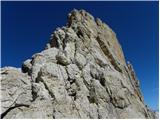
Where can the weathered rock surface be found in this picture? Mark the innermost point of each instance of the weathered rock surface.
(82, 73)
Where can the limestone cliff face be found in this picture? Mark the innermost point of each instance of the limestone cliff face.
(82, 73)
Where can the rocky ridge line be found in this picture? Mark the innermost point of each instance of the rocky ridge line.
(82, 73)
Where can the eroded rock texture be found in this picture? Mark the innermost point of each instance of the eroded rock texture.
(82, 73)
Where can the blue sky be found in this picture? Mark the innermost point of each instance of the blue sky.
(26, 28)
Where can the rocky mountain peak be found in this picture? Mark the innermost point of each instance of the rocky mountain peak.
(76, 16)
(82, 73)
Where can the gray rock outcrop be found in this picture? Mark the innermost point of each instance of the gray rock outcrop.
(82, 73)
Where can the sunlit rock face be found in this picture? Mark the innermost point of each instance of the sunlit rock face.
(82, 73)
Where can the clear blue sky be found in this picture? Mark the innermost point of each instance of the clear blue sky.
(26, 28)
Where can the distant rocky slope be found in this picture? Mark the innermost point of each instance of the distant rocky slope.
(82, 73)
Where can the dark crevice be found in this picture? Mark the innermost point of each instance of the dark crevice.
(92, 95)
(11, 108)
(108, 54)
(4, 73)
(25, 69)
(54, 42)
(34, 94)
(71, 80)
(53, 116)
(79, 34)
(64, 44)
(102, 81)
(91, 99)
(112, 100)
(108, 43)
(86, 84)
(99, 116)
(46, 87)
(59, 62)
(50, 93)
(71, 92)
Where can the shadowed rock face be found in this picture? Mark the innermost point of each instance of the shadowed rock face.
(82, 73)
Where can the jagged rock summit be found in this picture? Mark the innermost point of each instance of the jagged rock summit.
(82, 73)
